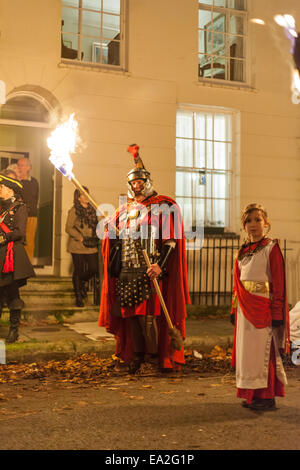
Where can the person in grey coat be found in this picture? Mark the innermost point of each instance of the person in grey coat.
(83, 244)
(15, 267)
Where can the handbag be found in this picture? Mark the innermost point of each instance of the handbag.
(90, 242)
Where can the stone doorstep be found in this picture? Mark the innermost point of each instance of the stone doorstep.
(47, 283)
(55, 298)
(69, 314)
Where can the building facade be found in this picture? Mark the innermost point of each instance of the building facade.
(203, 90)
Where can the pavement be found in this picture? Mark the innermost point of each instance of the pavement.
(49, 340)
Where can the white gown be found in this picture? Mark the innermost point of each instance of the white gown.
(253, 344)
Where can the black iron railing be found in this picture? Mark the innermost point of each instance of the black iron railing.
(210, 268)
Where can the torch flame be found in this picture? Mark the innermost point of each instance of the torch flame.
(296, 87)
(62, 143)
(289, 24)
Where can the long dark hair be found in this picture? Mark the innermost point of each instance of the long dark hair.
(87, 215)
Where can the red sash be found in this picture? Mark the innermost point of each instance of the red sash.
(8, 266)
(256, 309)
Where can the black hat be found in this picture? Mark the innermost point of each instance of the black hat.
(11, 183)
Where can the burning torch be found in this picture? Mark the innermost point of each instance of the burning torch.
(62, 143)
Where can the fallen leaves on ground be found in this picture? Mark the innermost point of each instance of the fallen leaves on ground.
(89, 368)
(217, 360)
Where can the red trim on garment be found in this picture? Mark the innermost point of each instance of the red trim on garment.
(8, 266)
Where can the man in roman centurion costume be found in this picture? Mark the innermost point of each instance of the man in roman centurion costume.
(130, 308)
(15, 267)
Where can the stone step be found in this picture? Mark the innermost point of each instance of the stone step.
(46, 296)
(48, 283)
(67, 313)
(50, 298)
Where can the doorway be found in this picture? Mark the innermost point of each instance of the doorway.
(24, 128)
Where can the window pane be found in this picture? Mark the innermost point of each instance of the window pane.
(236, 25)
(237, 4)
(70, 19)
(113, 57)
(186, 210)
(220, 156)
(208, 185)
(73, 3)
(200, 125)
(204, 19)
(236, 70)
(111, 6)
(90, 50)
(219, 23)
(105, 52)
(199, 184)
(219, 213)
(209, 126)
(209, 154)
(218, 44)
(184, 124)
(96, 46)
(236, 47)
(200, 154)
(218, 67)
(199, 212)
(91, 22)
(222, 127)
(184, 152)
(208, 213)
(220, 3)
(214, 42)
(111, 26)
(219, 185)
(206, 2)
(183, 183)
(204, 67)
(92, 4)
(69, 46)
(201, 41)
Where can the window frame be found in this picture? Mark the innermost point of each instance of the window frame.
(123, 66)
(245, 36)
(231, 198)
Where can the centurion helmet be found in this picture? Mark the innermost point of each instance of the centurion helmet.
(138, 173)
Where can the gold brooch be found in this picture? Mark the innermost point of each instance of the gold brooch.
(133, 214)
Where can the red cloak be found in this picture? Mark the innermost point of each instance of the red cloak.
(174, 288)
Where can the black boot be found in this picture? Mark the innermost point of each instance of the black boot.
(13, 333)
(78, 291)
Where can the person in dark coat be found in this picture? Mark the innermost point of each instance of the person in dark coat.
(83, 244)
(15, 267)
